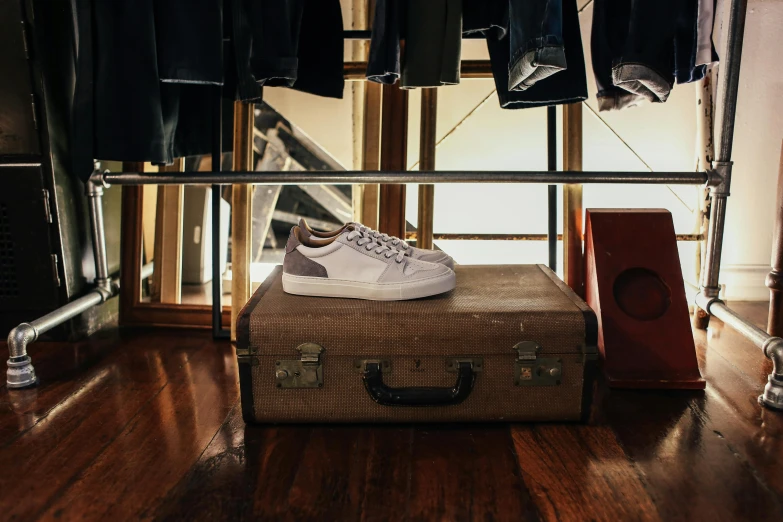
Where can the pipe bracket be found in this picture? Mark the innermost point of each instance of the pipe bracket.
(96, 184)
(719, 178)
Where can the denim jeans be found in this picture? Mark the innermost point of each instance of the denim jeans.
(640, 47)
(549, 52)
(536, 38)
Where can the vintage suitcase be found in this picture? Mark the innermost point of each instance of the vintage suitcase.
(510, 343)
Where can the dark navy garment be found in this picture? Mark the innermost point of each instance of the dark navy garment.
(487, 17)
(383, 64)
(536, 39)
(275, 28)
(641, 47)
(567, 85)
(189, 41)
(321, 50)
(149, 71)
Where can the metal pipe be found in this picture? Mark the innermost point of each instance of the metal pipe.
(95, 186)
(371, 176)
(427, 140)
(218, 332)
(709, 280)
(20, 372)
(772, 347)
(728, 87)
(728, 80)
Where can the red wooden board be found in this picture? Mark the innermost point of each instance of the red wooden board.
(634, 284)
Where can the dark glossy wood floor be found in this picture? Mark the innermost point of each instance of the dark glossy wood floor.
(145, 424)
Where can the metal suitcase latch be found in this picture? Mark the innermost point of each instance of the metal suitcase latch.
(306, 372)
(532, 370)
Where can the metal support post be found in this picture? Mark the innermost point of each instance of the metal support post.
(95, 187)
(427, 139)
(720, 178)
(218, 332)
(551, 152)
(21, 373)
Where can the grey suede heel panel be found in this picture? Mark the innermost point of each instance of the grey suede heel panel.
(295, 263)
(292, 242)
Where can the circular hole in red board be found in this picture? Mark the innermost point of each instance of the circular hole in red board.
(642, 294)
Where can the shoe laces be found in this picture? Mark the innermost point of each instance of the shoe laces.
(370, 243)
(398, 243)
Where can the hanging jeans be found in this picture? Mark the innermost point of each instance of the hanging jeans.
(537, 48)
(640, 47)
(544, 84)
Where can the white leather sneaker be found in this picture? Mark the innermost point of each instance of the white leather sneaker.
(353, 265)
(431, 256)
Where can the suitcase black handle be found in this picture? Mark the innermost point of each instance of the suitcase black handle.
(418, 396)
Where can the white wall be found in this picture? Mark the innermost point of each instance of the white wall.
(756, 155)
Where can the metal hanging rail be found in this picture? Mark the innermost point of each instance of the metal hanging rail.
(352, 177)
(20, 369)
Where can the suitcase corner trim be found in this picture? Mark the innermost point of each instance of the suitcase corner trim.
(243, 319)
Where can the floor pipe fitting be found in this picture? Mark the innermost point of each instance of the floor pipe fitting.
(771, 346)
(21, 372)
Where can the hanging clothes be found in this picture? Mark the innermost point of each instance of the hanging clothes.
(641, 48)
(566, 85)
(289, 43)
(148, 70)
(486, 17)
(274, 27)
(705, 47)
(536, 39)
(143, 78)
(188, 41)
(693, 47)
(433, 43)
(383, 63)
(321, 50)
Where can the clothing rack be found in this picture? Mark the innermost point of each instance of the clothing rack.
(717, 179)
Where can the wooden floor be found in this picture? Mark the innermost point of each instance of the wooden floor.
(145, 424)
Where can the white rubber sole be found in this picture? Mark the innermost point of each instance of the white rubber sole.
(323, 287)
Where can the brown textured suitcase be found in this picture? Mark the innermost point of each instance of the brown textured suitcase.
(510, 343)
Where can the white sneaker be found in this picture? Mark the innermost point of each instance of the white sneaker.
(431, 256)
(353, 265)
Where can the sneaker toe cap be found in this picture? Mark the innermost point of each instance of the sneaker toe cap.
(437, 256)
